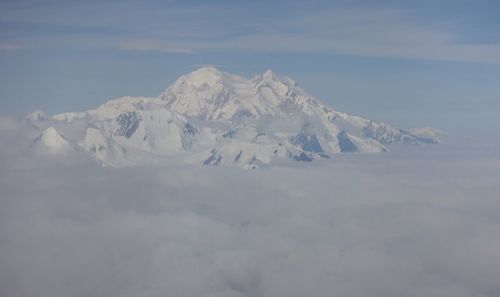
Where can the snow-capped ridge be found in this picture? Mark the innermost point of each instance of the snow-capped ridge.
(205, 76)
(211, 94)
(37, 115)
(213, 117)
(271, 76)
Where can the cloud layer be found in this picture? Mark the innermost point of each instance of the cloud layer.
(222, 27)
(422, 223)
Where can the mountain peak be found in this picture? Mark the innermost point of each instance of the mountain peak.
(268, 74)
(212, 94)
(208, 69)
(205, 74)
(53, 141)
(213, 117)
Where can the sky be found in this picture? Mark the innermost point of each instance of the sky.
(403, 62)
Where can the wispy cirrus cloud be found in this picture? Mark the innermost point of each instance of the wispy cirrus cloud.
(371, 33)
(7, 46)
(149, 45)
(220, 27)
(379, 33)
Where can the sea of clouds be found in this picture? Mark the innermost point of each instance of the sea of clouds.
(419, 221)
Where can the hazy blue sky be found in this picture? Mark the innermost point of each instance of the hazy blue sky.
(410, 62)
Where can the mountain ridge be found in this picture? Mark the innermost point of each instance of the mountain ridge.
(212, 117)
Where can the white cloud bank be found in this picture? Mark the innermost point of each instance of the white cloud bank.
(424, 223)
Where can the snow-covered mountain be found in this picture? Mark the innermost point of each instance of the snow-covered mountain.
(212, 117)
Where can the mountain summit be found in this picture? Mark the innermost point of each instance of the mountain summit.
(211, 94)
(213, 117)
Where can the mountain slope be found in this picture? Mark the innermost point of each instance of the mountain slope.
(212, 117)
